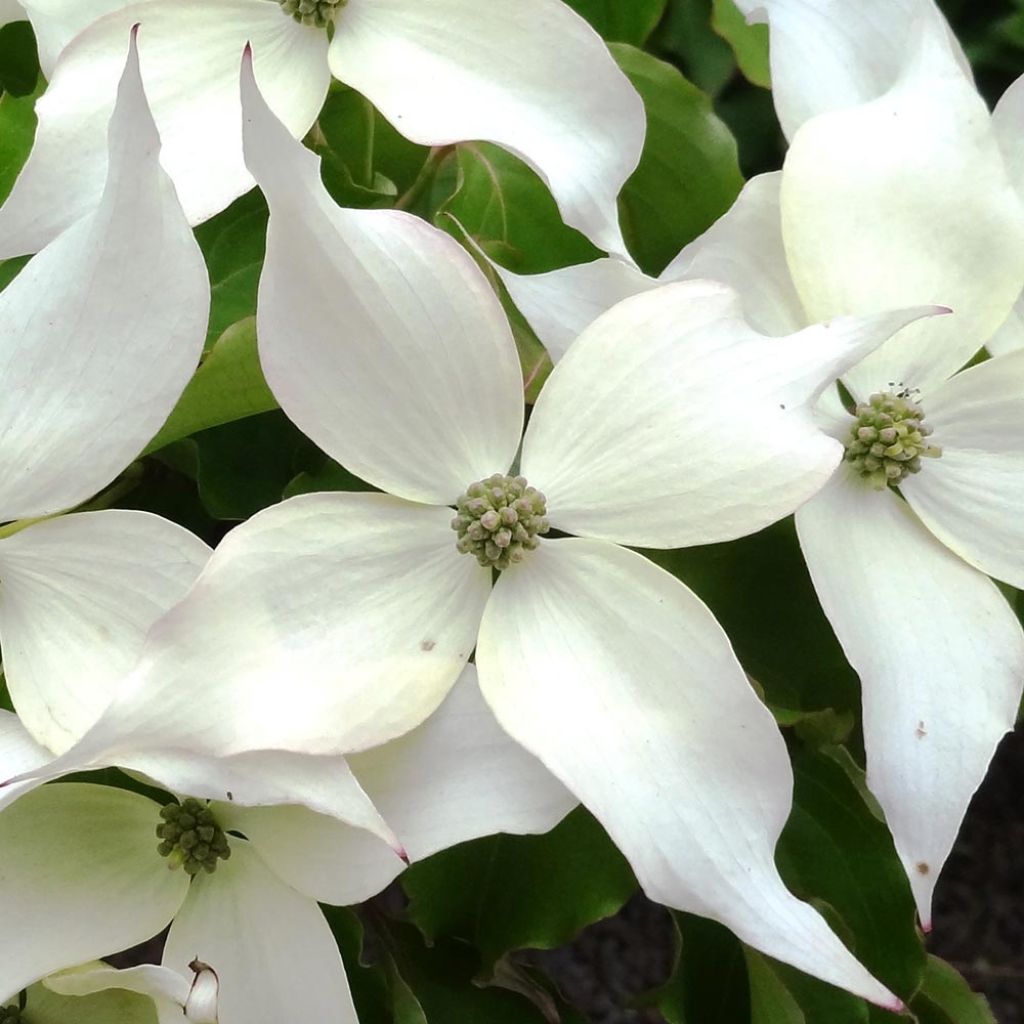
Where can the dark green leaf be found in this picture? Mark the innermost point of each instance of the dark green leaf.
(513, 892)
(945, 998)
(770, 1001)
(19, 59)
(622, 21)
(685, 35)
(507, 210)
(228, 386)
(689, 173)
(835, 849)
(710, 982)
(233, 244)
(749, 42)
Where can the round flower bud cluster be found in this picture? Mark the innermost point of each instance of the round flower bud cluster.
(887, 439)
(191, 837)
(499, 520)
(318, 13)
(10, 1015)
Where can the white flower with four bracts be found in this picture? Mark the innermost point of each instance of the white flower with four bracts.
(671, 422)
(531, 76)
(898, 187)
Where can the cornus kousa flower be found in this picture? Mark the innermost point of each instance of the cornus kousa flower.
(97, 869)
(98, 335)
(898, 188)
(670, 422)
(531, 76)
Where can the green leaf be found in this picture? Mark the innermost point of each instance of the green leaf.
(19, 59)
(770, 1001)
(686, 36)
(834, 849)
(228, 385)
(710, 980)
(508, 211)
(946, 998)
(573, 876)
(233, 244)
(689, 173)
(621, 21)
(17, 133)
(749, 42)
(759, 590)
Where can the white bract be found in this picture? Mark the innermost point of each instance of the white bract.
(898, 188)
(334, 622)
(531, 76)
(99, 334)
(81, 864)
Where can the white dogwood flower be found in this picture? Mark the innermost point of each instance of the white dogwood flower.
(88, 865)
(671, 422)
(530, 76)
(899, 187)
(99, 334)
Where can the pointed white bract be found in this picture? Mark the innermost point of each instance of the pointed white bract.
(535, 78)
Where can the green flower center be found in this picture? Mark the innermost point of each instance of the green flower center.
(888, 439)
(191, 838)
(318, 13)
(11, 1015)
(499, 519)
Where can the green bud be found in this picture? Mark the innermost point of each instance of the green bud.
(317, 13)
(191, 838)
(498, 520)
(887, 439)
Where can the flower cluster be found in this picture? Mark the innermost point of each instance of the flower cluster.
(334, 692)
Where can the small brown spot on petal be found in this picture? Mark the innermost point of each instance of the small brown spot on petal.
(426, 645)
(922, 867)
(919, 732)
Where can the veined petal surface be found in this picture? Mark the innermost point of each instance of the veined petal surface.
(971, 498)
(81, 875)
(18, 751)
(830, 54)
(906, 200)
(939, 653)
(531, 76)
(1009, 337)
(621, 681)
(672, 422)
(326, 624)
(168, 989)
(77, 596)
(378, 334)
(454, 778)
(189, 51)
(1008, 124)
(56, 22)
(101, 331)
(744, 250)
(275, 957)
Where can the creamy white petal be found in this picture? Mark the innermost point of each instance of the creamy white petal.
(57, 22)
(190, 51)
(77, 596)
(831, 54)
(560, 304)
(81, 878)
(531, 76)
(273, 953)
(1009, 337)
(326, 624)
(378, 333)
(900, 201)
(101, 331)
(1008, 124)
(454, 778)
(619, 679)
(744, 250)
(672, 422)
(18, 751)
(940, 657)
(11, 10)
(971, 498)
(167, 988)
